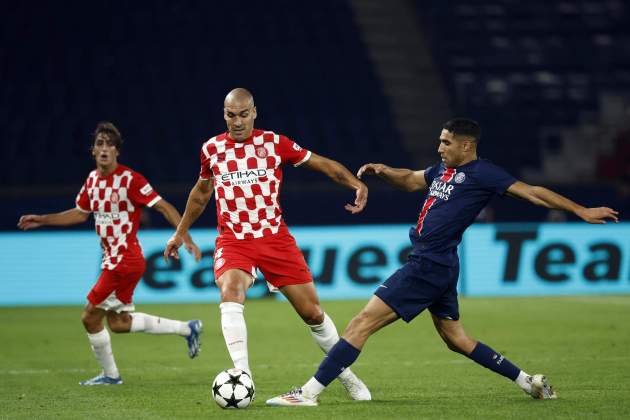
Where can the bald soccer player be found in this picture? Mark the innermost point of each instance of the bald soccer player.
(244, 167)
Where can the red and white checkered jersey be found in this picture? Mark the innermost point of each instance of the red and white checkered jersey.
(247, 179)
(116, 201)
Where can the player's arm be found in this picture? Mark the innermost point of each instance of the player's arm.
(405, 179)
(342, 176)
(171, 214)
(197, 201)
(542, 196)
(65, 218)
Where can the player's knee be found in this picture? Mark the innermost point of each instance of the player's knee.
(313, 316)
(116, 327)
(91, 322)
(231, 292)
(86, 319)
(118, 323)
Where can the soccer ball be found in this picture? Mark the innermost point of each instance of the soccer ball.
(233, 388)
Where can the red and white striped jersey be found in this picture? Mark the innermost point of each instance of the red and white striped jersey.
(116, 202)
(247, 179)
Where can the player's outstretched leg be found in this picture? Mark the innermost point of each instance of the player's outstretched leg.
(339, 358)
(326, 336)
(303, 298)
(101, 344)
(372, 318)
(140, 322)
(456, 340)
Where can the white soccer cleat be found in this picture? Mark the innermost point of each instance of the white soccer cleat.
(356, 388)
(541, 390)
(293, 398)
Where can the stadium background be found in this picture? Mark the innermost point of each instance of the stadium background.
(358, 81)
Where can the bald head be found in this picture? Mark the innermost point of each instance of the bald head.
(239, 113)
(239, 97)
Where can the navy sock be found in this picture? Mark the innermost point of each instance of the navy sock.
(342, 355)
(494, 361)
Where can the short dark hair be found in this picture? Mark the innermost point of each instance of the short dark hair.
(463, 127)
(109, 129)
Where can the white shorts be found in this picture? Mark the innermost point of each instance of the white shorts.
(113, 304)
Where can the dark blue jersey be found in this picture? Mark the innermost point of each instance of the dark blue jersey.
(455, 198)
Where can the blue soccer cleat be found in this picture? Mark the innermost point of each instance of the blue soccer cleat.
(102, 380)
(193, 340)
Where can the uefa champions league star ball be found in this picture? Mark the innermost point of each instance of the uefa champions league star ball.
(233, 388)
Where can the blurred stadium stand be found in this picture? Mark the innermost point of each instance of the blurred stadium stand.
(549, 82)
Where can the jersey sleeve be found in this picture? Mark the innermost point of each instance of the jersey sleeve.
(430, 173)
(82, 201)
(495, 178)
(291, 152)
(205, 170)
(141, 192)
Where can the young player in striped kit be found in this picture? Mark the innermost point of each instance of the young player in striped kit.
(115, 195)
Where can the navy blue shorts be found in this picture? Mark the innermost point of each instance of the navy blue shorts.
(420, 284)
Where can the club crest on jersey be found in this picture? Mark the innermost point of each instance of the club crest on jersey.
(261, 152)
(460, 177)
(114, 198)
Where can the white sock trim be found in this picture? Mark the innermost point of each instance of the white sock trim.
(325, 334)
(100, 338)
(231, 307)
(312, 388)
(521, 381)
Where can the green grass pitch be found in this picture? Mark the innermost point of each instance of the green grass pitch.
(581, 343)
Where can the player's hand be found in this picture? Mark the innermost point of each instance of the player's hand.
(598, 215)
(30, 221)
(172, 247)
(360, 201)
(371, 169)
(193, 249)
